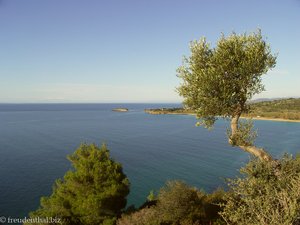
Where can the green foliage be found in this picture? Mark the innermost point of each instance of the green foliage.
(218, 81)
(169, 111)
(268, 193)
(178, 204)
(245, 134)
(283, 108)
(93, 193)
(145, 216)
(177, 201)
(151, 196)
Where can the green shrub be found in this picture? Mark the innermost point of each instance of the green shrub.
(145, 216)
(177, 201)
(178, 204)
(269, 193)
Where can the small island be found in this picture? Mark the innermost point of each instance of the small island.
(120, 110)
(276, 110)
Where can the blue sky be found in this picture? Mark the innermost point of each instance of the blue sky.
(128, 51)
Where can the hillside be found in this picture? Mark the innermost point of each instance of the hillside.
(284, 109)
(281, 109)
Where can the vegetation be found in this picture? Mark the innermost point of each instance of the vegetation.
(288, 109)
(283, 108)
(219, 81)
(93, 193)
(120, 110)
(265, 195)
(216, 82)
(262, 195)
(178, 204)
(170, 111)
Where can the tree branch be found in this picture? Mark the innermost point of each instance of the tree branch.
(235, 141)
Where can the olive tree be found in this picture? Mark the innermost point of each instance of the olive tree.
(218, 81)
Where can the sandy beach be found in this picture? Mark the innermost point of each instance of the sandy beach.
(254, 118)
(272, 119)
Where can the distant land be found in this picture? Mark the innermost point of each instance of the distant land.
(277, 110)
(120, 109)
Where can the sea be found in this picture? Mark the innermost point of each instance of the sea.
(35, 140)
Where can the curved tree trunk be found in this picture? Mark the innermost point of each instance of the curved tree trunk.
(258, 152)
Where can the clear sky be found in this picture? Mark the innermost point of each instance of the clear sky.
(128, 51)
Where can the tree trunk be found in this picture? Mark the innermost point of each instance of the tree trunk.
(258, 152)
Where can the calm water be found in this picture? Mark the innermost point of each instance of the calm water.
(35, 140)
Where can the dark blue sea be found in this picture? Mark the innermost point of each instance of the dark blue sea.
(36, 138)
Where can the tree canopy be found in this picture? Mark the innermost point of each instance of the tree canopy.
(94, 192)
(218, 81)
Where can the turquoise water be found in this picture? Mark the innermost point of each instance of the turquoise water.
(35, 140)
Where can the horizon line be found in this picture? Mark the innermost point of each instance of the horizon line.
(90, 103)
(151, 102)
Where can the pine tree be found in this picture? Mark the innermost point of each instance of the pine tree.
(94, 192)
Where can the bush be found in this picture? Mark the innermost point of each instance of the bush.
(145, 216)
(269, 193)
(93, 193)
(178, 204)
(177, 201)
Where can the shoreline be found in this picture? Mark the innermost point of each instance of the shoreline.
(243, 117)
(271, 119)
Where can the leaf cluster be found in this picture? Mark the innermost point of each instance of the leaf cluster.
(94, 192)
(217, 81)
(267, 194)
(245, 134)
(178, 204)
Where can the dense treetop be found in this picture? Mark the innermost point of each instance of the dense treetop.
(94, 192)
(218, 81)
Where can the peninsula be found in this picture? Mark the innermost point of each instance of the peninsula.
(276, 110)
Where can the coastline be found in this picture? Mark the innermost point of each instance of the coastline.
(271, 119)
(244, 117)
(120, 110)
